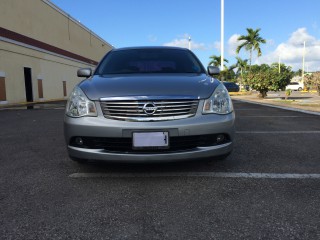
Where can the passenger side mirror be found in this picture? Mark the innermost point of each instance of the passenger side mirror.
(212, 71)
(84, 72)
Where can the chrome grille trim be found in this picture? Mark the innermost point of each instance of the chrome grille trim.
(132, 109)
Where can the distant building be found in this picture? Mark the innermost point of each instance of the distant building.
(41, 48)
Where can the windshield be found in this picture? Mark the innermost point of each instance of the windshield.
(132, 61)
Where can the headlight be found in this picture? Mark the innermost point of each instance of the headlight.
(79, 105)
(219, 102)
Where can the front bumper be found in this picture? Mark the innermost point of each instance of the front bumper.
(101, 127)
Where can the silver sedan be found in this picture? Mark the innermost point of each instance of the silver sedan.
(149, 104)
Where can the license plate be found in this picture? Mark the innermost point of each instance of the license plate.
(155, 140)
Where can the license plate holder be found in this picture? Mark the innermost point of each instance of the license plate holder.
(150, 140)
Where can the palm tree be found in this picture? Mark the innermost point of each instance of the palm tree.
(216, 61)
(251, 42)
(241, 64)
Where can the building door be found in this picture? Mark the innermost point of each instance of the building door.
(3, 96)
(28, 84)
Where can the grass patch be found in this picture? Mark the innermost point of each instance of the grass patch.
(294, 102)
(239, 93)
(284, 101)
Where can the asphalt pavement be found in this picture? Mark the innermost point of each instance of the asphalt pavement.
(303, 101)
(268, 188)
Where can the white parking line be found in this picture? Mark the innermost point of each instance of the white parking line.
(198, 174)
(277, 132)
(274, 116)
(248, 109)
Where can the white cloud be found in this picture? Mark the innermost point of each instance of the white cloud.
(231, 47)
(299, 36)
(233, 43)
(291, 51)
(183, 41)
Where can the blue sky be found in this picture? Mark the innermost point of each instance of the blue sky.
(285, 24)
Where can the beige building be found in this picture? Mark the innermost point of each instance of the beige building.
(41, 48)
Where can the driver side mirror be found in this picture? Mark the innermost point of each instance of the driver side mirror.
(84, 72)
(213, 71)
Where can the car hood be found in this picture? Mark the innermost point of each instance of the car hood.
(200, 86)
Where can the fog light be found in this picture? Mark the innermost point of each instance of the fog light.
(220, 138)
(79, 141)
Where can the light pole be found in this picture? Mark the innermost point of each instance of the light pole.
(189, 43)
(303, 56)
(222, 34)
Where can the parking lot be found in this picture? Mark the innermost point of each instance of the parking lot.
(268, 188)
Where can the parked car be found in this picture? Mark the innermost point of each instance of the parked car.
(295, 86)
(231, 86)
(149, 104)
(247, 87)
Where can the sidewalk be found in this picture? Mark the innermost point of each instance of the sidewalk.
(301, 101)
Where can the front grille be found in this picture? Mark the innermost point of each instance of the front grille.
(149, 110)
(122, 145)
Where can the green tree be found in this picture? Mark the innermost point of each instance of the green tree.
(241, 66)
(283, 78)
(216, 61)
(313, 80)
(228, 74)
(251, 42)
(298, 73)
(266, 78)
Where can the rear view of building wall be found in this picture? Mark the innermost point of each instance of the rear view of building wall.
(41, 48)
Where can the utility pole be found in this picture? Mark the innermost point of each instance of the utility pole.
(303, 56)
(222, 34)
